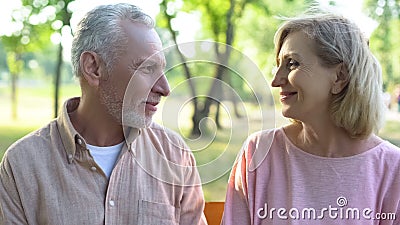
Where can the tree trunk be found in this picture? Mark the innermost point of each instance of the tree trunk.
(201, 111)
(15, 65)
(196, 118)
(14, 103)
(223, 60)
(57, 79)
(197, 114)
(66, 15)
(217, 115)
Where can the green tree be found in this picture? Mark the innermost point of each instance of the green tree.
(39, 20)
(221, 17)
(18, 44)
(384, 39)
(223, 21)
(58, 17)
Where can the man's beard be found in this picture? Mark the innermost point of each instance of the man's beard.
(131, 115)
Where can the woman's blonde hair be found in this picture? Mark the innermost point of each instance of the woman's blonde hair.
(359, 107)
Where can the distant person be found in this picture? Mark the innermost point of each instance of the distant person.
(397, 93)
(327, 166)
(103, 160)
(398, 103)
(387, 98)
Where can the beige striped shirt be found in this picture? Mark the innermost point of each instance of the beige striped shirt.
(49, 177)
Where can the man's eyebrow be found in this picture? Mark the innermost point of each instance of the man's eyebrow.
(137, 62)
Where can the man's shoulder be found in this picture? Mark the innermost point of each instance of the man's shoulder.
(164, 132)
(159, 127)
(32, 143)
(168, 143)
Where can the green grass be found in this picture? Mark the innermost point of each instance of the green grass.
(391, 132)
(34, 110)
(10, 133)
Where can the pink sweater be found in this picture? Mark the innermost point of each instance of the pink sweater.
(278, 183)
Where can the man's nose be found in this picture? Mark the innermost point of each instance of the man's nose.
(161, 86)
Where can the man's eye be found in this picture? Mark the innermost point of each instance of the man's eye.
(292, 64)
(148, 69)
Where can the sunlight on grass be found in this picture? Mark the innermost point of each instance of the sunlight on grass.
(34, 110)
(391, 132)
(9, 133)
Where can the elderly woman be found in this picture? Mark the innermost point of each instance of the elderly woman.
(327, 166)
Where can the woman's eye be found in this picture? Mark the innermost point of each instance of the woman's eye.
(292, 64)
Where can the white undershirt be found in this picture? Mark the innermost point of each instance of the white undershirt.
(105, 157)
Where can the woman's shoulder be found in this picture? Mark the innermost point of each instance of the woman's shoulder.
(266, 138)
(265, 135)
(389, 150)
(259, 144)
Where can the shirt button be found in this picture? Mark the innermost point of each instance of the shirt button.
(111, 202)
(93, 168)
(79, 141)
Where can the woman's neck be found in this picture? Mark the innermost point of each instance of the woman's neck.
(328, 140)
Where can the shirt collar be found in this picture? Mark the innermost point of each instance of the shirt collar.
(131, 134)
(71, 138)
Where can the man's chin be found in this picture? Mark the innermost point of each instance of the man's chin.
(143, 123)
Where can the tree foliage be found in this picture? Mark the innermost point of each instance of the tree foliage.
(38, 21)
(384, 41)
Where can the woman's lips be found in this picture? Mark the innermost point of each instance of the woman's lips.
(285, 95)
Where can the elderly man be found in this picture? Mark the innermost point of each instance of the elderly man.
(103, 161)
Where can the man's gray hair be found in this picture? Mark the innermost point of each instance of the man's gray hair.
(100, 31)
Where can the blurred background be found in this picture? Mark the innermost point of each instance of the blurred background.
(215, 102)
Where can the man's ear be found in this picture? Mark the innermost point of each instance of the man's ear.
(342, 79)
(90, 67)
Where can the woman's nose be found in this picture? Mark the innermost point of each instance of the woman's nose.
(280, 78)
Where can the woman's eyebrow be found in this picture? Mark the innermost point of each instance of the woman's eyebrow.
(291, 54)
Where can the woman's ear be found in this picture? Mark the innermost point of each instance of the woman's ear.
(90, 67)
(342, 79)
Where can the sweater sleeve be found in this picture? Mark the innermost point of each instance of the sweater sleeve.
(236, 209)
(237, 205)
